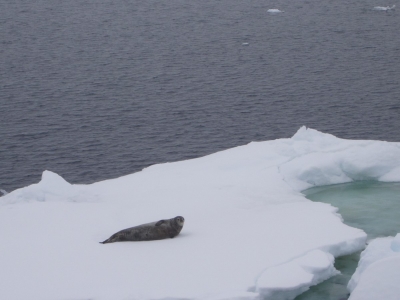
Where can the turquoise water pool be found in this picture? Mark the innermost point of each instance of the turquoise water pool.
(369, 205)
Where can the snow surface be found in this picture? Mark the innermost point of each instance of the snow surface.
(249, 233)
(378, 273)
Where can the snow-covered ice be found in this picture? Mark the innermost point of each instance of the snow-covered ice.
(378, 273)
(249, 232)
(290, 279)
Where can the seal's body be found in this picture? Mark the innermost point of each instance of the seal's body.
(162, 229)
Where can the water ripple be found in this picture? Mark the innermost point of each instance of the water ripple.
(94, 90)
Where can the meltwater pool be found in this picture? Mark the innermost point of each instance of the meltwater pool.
(369, 205)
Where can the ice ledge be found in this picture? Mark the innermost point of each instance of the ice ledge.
(378, 272)
(322, 159)
(288, 280)
(312, 135)
(52, 187)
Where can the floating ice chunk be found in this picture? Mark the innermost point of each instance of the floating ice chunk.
(245, 44)
(384, 7)
(378, 249)
(395, 246)
(379, 281)
(3, 192)
(274, 11)
(288, 280)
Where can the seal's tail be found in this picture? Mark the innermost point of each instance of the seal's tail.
(106, 241)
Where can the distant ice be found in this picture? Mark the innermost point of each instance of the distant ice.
(249, 234)
(274, 11)
(3, 192)
(384, 7)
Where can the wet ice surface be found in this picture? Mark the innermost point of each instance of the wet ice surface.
(368, 205)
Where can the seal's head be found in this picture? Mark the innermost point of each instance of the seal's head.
(179, 220)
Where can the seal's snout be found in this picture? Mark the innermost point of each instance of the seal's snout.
(180, 220)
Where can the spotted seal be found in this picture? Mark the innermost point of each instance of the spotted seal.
(162, 229)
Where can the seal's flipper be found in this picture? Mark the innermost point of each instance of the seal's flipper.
(160, 222)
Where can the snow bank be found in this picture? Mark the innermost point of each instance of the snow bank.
(249, 233)
(378, 272)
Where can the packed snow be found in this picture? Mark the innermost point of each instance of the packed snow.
(249, 232)
(378, 272)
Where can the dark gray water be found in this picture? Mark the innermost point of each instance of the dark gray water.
(96, 89)
(369, 205)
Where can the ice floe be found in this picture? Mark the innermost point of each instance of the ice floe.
(274, 11)
(249, 232)
(290, 279)
(386, 8)
(378, 272)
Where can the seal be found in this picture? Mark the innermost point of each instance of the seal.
(162, 229)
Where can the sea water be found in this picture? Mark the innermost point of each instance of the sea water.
(369, 205)
(94, 90)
